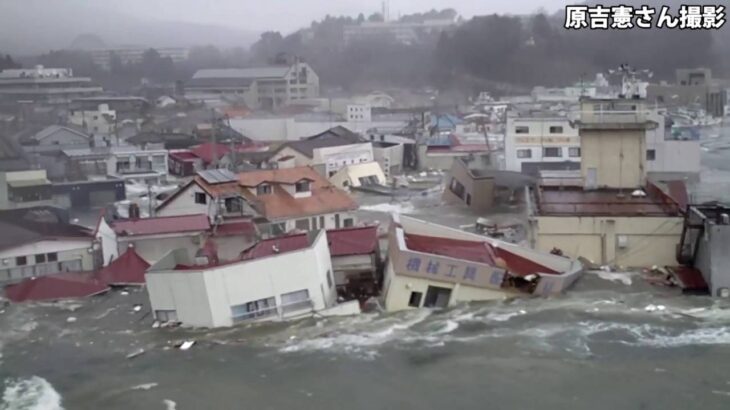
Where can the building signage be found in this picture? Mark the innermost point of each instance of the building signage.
(449, 270)
(545, 140)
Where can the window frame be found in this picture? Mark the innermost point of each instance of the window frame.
(202, 195)
(522, 151)
(545, 152)
(572, 150)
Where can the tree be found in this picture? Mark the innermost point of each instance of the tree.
(7, 62)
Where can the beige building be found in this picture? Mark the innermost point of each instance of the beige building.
(470, 186)
(434, 266)
(358, 175)
(610, 213)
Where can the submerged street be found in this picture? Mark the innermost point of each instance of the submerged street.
(655, 349)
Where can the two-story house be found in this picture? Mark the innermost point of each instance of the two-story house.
(279, 200)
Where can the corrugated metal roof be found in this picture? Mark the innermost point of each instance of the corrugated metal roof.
(56, 286)
(276, 246)
(161, 225)
(353, 241)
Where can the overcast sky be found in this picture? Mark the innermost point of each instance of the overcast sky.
(288, 15)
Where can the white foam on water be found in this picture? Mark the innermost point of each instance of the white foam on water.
(169, 404)
(145, 386)
(34, 393)
(503, 317)
(621, 277)
(694, 337)
(388, 208)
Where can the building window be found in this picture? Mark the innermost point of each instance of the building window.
(40, 258)
(457, 188)
(574, 152)
(522, 129)
(201, 198)
(255, 309)
(52, 257)
(302, 224)
(330, 282)
(552, 152)
(348, 222)
(468, 199)
(556, 129)
(415, 299)
(21, 261)
(233, 205)
(295, 301)
(524, 153)
(650, 155)
(302, 186)
(263, 189)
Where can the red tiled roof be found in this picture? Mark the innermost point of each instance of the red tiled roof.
(205, 151)
(480, 252)
(128, 269)
(353, 241)
(275, 246)
(161, 225)
(56, 286)
(236, 228)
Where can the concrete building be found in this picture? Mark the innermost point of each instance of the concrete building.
(44, 85)
(540, 141)
(260, 285)
(470, 186)
(32, 249)
(25, 189)
(692, 87)
(670, 156)
(133, 55)
(356, 264)
(390, 157)
(434, 266)
(263, 87)
(281, 200)
(327, 152)
(440, 151)
(99, 121)
(127, 163)
(610, 213)
(359, 175)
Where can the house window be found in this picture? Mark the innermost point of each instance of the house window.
(556, 129)
(552, 152)
(650, 155)
(21, 261)
(522, 129)
(295, 301)
(468, 199)
(457, 188)
(348, 222)
(574, 152)
(255, 309)
(302, 186)
(201, 198)
(330, 282)
(415, 299)
(524, 153)
(263, 189)
(233, 205)
(52, 257)
(40, 258)
(302, 224)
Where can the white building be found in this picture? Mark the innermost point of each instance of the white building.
(49, 85)
(540, 141)
(128, 163)
(359, 113)
(25, 189)
(359, 175)
(327, 152)
(262, 87)
(668, 156)
(261, 285)
(101, 121)
(35, 249)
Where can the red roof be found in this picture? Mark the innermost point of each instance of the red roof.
(275, 246)
(205, 151)
(246, 227)
(128, 269)
(56, 286)
(161, 225)
(480, 252)
(183, 156)
(353, 241)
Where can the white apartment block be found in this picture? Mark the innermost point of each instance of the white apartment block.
(541, 142)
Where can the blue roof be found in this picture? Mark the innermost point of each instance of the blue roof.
(445, 121)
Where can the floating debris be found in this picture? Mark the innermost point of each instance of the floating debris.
(138, 352)
(186, 345)
(71, 319)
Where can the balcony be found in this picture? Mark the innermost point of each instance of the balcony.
(614, 120)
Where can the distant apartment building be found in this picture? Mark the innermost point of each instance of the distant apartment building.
(44, 85)
(262, 87)
(100, 120)
(103, 58)
(25, 189)
(127, 163)
(692, 87)
(540, 141)
(400, 32)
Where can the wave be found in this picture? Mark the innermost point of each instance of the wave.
(388, 208)
(34, 393)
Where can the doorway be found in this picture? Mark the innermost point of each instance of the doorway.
(437, 297)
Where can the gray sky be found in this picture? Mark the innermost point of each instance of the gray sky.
(288, 15)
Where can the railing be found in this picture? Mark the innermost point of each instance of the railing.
(609, 116)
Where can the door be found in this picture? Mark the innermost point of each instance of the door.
(437, 297)
(591, 178)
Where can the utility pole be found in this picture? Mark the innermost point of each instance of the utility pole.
(213, 140)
